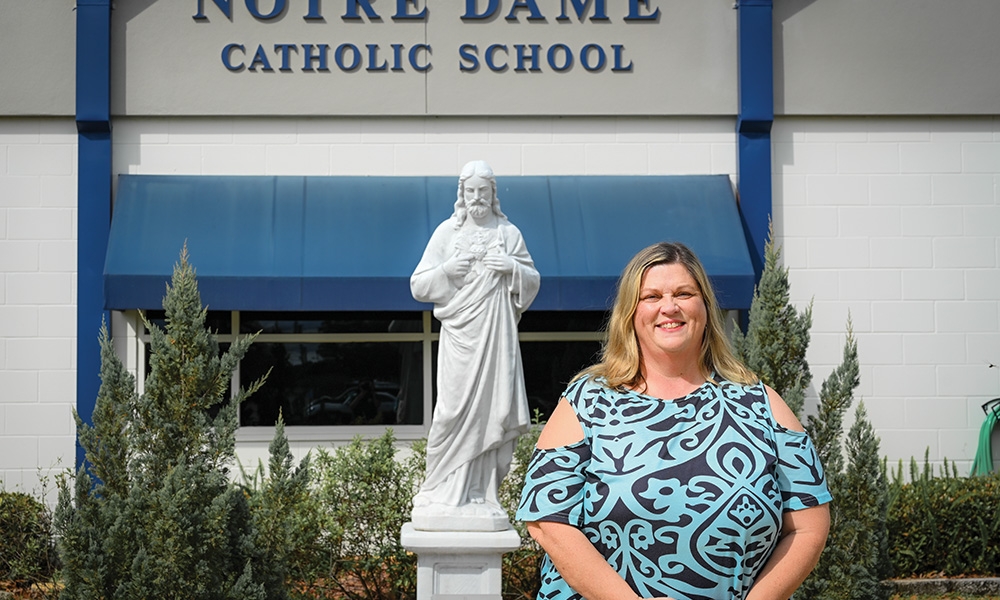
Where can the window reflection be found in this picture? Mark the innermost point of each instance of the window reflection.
(351, 369)
(358, 383)
(549, 366)
(331, 322)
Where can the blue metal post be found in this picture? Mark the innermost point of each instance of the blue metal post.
(755, 64)
(93, 123)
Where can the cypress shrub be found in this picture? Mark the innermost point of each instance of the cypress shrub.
(855, 562)
(286, 519)
(152, 513)
(777, 335)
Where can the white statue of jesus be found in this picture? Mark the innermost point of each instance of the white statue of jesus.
(477, 272)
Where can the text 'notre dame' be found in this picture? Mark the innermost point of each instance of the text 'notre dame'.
(352, 56)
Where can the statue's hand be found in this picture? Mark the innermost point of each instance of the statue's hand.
(457, 265)
(499, 262)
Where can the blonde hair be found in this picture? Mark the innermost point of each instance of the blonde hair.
(621, 358)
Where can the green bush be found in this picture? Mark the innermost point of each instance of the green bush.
(27, 550)
(364, 496)
(944, 524)
(363, 493)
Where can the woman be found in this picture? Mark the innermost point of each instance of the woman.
(668, 470)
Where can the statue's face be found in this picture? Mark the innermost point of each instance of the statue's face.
(478, 195)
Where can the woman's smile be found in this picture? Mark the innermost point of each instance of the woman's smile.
(670, 317)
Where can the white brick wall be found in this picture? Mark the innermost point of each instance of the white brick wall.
(893, 220)
(899, 220)
(413, 146)
(37, 301)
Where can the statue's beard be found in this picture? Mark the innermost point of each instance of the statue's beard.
(478, 210)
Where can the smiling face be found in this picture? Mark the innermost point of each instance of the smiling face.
(670, 317)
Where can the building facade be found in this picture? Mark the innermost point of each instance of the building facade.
(868, 132)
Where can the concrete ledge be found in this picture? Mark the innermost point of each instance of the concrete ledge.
(970, 586)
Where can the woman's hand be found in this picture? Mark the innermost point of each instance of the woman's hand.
(579, 563)
(803, 536)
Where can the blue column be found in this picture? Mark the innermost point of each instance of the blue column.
(755, 63)
(93, 124)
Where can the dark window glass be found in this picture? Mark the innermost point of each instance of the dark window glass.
(553, 320)
(548, 367)
(334, 384)
(562, 320)
(219, 322)
(331, 322)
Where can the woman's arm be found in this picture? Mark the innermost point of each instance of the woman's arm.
(803, 536)
(576, 559)
(803, 533)
(579, 563)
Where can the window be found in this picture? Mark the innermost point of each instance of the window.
(334, 375)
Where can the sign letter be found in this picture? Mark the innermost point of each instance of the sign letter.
(260, 59)
(489, 58)
(580, 7)
(314, 12)
(567, 58)
(279, 7)
(403, 13)
(226, 6)
(536, 49)
(413, 57)
(619, 51)
(468, 52)
(366, 5)
(338, 56)
(470, 9)
(373, 59)
(227, 53)
(634, 15)
(535, 15)
(585, 57)
(285, 51)
(308, 58)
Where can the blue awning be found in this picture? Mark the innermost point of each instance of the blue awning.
(350, 243)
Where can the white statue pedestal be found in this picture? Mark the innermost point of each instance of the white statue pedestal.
(458, 565)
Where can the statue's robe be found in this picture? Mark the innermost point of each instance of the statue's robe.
(481, 406)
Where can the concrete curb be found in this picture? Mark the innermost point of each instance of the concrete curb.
(973, 586)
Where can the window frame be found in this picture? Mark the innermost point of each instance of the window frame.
(133, 349)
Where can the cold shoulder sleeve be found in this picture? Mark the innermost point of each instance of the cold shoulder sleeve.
(800, 474)
(554, 484)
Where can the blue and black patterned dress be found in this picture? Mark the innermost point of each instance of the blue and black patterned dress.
(683, 498)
